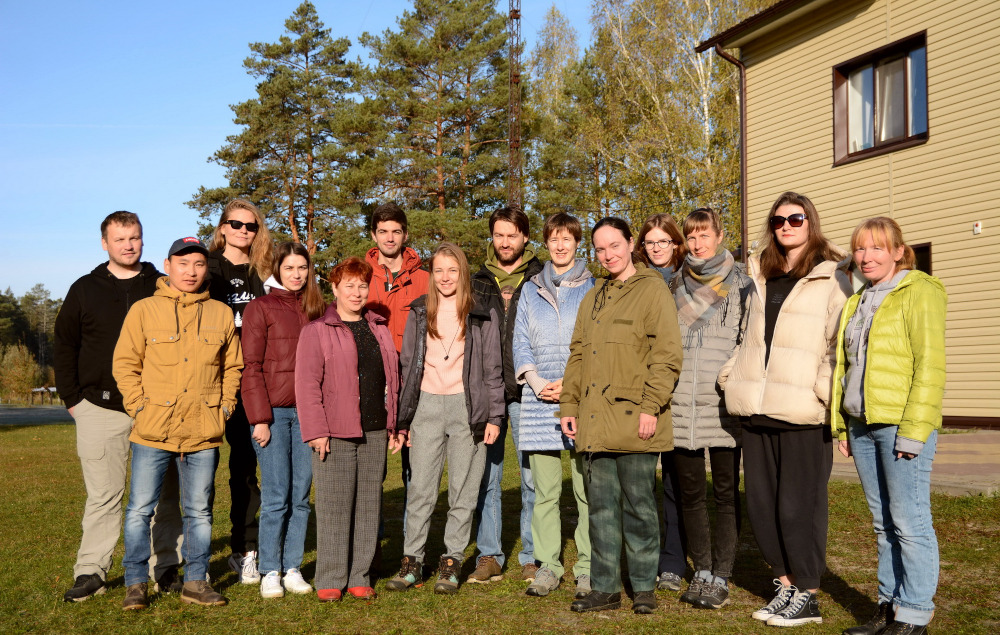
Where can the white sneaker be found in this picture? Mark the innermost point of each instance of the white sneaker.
(270, 586)
(294, 582)
(245, 566)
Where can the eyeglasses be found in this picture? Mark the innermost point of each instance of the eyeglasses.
(251, 227)
(659, 244)
(795, 220)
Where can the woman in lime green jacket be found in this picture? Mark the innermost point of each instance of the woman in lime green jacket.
(886, 410)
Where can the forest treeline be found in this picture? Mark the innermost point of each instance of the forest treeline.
(26, 332)
(633, 124)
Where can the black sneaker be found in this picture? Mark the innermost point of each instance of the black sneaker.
(644, 603)
(669, 581)
(782, 594)
(714, 595)
(169, 582)
(883, 617)
(86, 586)
(693, 591)
(803, 608)
(597, 601)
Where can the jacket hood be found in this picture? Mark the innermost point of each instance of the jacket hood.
(493, 264)
(163, 289)
(642, 273)
(146, 269)
(411, 261)
(333, 318)
(272, 283)
(919, 277)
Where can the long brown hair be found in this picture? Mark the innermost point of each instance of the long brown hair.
(773, 260)
(261, 249)
(885, 233)
(667, 223)
(464, 291)
(313, 304)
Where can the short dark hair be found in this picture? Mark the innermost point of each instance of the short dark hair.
(512, 214)
(121, 217)
(562, 220)
(388, 212)
(614, 222)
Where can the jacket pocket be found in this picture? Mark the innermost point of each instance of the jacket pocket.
(212, 341)
(162, 349)
(152, 421)
(214, 419)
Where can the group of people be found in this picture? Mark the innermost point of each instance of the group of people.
(678, 357)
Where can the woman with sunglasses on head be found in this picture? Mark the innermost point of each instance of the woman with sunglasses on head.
(887, 392)
(239, 260)
(270, 336)
(661, 246)
(624, 359)
(709, 293)
(780, 377)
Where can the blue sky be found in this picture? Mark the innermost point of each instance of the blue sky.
(117, 105)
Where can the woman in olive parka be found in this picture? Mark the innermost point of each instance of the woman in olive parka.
(624, 360)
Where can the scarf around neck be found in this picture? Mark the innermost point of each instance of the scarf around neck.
(703, 286)
(550, 280)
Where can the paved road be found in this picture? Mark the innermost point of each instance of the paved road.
(965, 463)
(33, 416)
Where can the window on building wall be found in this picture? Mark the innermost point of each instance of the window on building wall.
(880, 101)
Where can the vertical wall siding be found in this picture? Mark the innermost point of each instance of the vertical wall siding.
(935, 191)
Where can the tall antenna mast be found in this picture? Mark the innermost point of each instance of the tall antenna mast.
(514, 175)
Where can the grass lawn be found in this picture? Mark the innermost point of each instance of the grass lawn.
(43, 499)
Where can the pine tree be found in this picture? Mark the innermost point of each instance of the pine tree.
(431, 132)
(286, 157)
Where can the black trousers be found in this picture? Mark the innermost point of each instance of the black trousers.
(243, 487)
(712, 551)
(672, 558)
(786, 472)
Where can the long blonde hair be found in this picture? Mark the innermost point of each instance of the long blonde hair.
(261, 249)
(464, 291)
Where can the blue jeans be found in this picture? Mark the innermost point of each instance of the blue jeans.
(196, 472)
(899, 497)
(286, 476)
(488, 509)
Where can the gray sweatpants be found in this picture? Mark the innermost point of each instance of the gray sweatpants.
(440, 428)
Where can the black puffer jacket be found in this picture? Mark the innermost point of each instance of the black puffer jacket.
(87, 330)
(485, 288)
(481, 369)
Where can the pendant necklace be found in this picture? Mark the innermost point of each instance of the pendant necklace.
(447, 351)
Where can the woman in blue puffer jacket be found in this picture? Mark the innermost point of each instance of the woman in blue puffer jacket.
(546, 314)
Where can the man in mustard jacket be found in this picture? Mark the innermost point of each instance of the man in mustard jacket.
(178, 365)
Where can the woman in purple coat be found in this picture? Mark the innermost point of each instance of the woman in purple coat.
(346, 388)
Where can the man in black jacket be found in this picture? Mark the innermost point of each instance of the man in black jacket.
(510, 261)
(86, 332)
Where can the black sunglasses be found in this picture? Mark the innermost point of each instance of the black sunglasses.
(253, 227)
(795, 220)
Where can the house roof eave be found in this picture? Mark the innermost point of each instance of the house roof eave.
(759, 24)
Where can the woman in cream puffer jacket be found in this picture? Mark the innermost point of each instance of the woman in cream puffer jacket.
(780, 377)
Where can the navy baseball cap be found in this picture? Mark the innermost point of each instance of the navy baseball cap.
(185, 245)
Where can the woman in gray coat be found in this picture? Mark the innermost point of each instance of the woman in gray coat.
(709, 292)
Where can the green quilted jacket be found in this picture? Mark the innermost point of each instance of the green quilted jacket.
(905, 368)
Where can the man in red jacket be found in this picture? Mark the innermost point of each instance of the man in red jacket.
(397, 278)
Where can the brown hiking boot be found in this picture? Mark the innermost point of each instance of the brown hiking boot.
(201, 592)
(487, 570)
(528, 571)
(135, 597)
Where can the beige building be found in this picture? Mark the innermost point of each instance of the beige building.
(888, 107)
